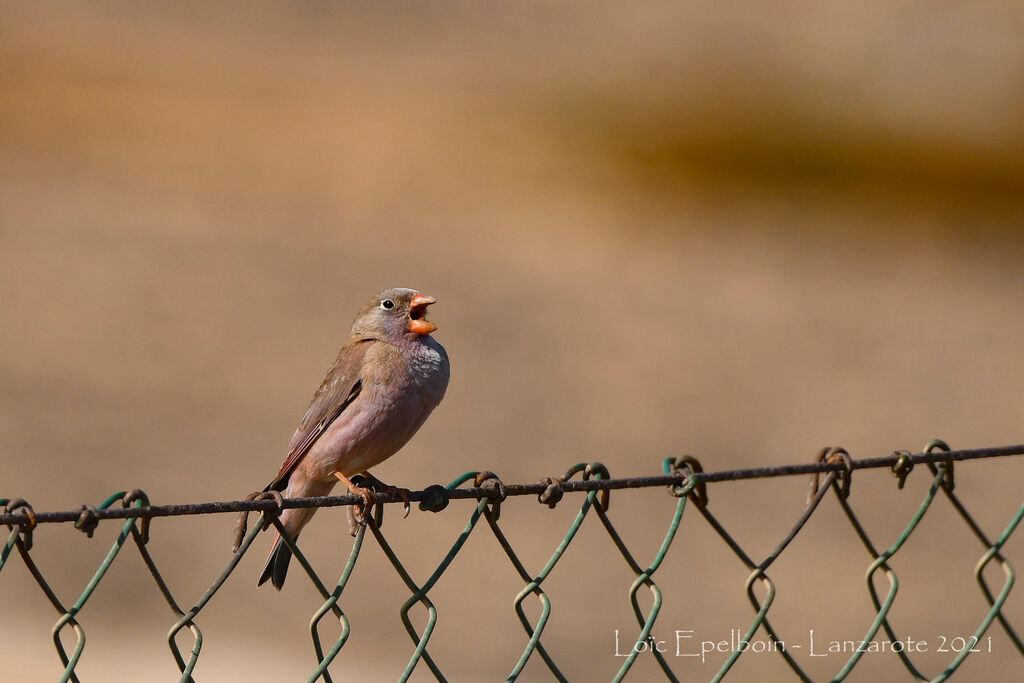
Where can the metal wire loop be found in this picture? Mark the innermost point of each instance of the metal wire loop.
(596, 469)
(846, 474)
(588, 470)
(142, 529)
(24, 528)
(273, 513)
(686, 466)
(242, 525)
(946, 467)
(833, 454)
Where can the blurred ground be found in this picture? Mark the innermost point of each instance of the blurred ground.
(738, 232)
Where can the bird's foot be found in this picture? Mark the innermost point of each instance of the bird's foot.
(368, 487)
(376, 486)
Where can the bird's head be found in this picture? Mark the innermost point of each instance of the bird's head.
(395, 313)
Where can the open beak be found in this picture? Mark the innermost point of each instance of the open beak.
(418, 323)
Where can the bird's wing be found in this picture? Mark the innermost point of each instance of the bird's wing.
(340, 387)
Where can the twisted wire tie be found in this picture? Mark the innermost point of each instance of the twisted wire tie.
(902, 467)
(436, 498)
(490, 480)
(87, 521)
(552, 492)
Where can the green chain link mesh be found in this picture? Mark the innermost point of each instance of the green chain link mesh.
(685, 480)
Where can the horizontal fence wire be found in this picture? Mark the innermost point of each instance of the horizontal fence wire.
(831, 471)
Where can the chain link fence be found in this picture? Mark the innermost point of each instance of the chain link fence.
(831, 471)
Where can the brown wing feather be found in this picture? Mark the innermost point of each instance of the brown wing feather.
(339, 388)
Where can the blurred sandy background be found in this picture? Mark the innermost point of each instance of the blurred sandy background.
(738, 231)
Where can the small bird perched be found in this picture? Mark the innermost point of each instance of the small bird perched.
(387, 378)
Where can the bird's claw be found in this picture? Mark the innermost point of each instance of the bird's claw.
(367, 487)
(401, 493)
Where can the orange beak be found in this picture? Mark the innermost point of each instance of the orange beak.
(418, 324)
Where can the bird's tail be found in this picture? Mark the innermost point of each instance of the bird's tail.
(276, 567)
(293, 519)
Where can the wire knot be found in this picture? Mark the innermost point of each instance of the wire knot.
(552, 492)
(489, 480)
(435, 499)
(24, 528)
(87, 520)
(686, 466)
(902, 467)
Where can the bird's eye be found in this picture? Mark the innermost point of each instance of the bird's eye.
(387, 304)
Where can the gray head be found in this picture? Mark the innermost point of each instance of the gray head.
(395, 313)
